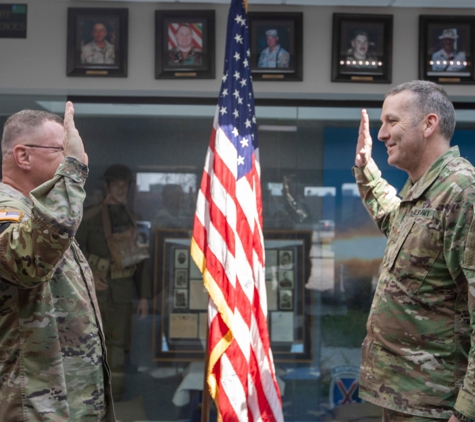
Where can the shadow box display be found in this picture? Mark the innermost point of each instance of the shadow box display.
(180, 317)
(362, 48)
(276, 46)
(97, 42)
(184, 44)
(446, 49)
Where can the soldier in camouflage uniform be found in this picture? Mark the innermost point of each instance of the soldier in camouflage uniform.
(418, 359)
(116, 288)
(52, 353)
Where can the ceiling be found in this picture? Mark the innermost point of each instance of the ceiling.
(356, 3)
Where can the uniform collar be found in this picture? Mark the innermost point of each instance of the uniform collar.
(13, 193)
(412, 191)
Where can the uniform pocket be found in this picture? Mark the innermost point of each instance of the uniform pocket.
(413, 251)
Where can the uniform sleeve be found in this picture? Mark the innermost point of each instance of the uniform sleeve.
(31, 249)
(378, 196)
(81, 237)
(460, 248)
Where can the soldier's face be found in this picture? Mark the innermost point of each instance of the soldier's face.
(45, 161)
(360, 46)
(184, 37)
(403, 137)
(99, 32)
(117, 191)
(448, 44)
(272, 42)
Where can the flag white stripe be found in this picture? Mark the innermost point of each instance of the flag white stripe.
(233, 387)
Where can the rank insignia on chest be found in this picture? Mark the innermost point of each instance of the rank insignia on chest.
(10, 215)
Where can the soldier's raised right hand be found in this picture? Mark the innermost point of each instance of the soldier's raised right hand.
(365, 143)
(73, 146)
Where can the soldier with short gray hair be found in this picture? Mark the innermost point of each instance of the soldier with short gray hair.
(418, 358)
(52, 351)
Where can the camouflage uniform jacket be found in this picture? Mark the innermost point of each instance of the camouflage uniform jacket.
(52, 358)
(416, 357)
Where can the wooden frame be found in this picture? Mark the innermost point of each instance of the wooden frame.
(195, 29)
(276, 46)
(362, 48)
(181, 301)
(446, 49)
(108, 26)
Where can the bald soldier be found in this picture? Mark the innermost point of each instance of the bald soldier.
(52, 353)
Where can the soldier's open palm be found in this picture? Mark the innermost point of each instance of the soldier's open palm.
(73, 146)
(365, 143)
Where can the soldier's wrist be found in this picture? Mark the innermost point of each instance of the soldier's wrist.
(461, 417)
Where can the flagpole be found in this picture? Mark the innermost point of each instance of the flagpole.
(206, 396)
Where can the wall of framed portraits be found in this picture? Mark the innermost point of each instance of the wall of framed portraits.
(145, 63)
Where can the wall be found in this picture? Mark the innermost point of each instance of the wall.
(37, 65)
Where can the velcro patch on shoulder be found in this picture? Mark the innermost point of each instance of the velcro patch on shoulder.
(10, 215)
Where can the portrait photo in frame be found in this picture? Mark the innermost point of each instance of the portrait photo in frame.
(97, 42)
(446, 49)
(184, 44)
(362, 48)
(276, 46)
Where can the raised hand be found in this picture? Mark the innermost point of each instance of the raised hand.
(73, 146)
(365, 143)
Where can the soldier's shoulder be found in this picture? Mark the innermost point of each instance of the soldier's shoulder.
(91, 212)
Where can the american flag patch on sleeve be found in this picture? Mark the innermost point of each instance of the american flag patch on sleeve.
(10, 215)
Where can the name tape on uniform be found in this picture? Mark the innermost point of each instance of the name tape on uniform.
(10, 215)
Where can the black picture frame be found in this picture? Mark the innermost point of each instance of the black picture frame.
(287, 63)
(195, 27)
(83, 59)
(439, 35)
(362, 48)
(180, 307)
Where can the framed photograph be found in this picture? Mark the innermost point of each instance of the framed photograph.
(97, 42)
(446, 49)
(181, 278)
(286, 279)
(276, 46)
(184, 44)
(362, 48)
(181, 300)
(181, 258)
(286, 299)
(286, 258)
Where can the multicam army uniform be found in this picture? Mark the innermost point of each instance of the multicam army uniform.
(423, 314)
(116, 302)
(52, 358)
(194, 57)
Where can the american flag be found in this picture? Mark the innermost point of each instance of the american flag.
(228, 246)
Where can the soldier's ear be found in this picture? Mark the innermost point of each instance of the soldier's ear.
(430, 124)
(22, 157)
